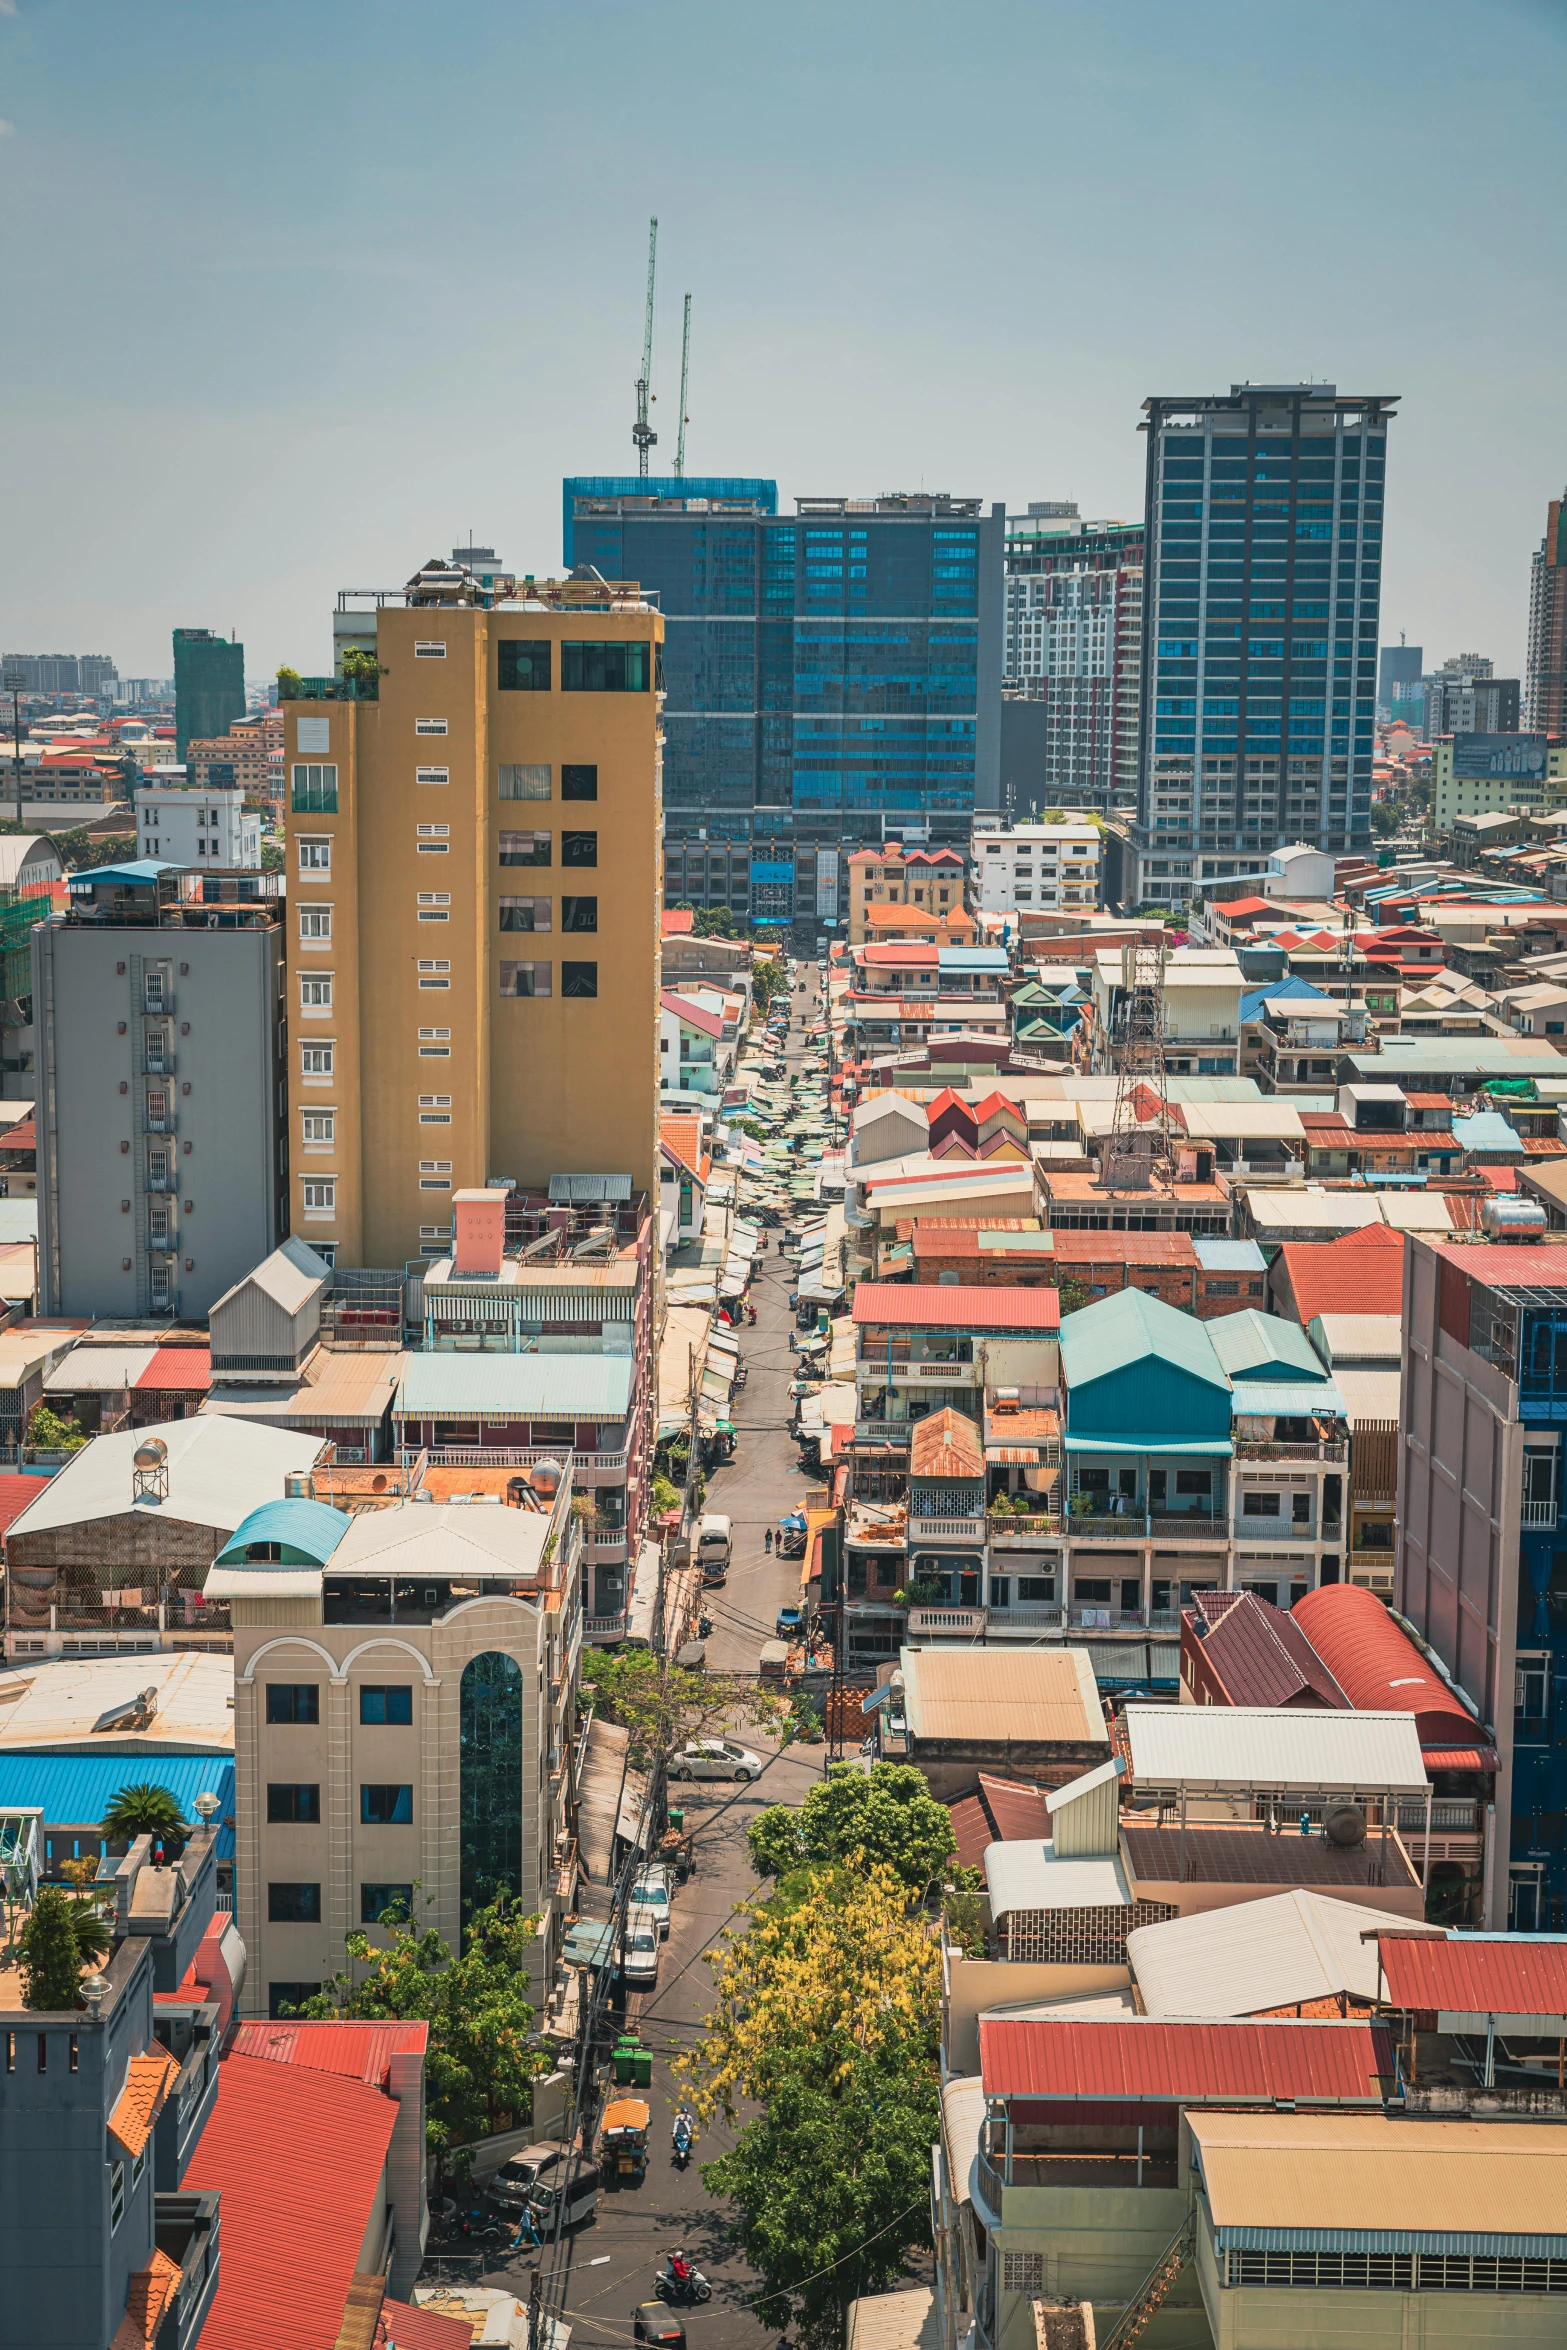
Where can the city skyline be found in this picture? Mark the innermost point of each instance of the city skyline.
(303, 321)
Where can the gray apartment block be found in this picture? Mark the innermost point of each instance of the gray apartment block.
(161, 1168)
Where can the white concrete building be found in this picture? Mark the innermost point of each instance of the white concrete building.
(1055, 866)
(186, 825)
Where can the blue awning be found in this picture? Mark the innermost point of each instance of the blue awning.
(1216, 1447)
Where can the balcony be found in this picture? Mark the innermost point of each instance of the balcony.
(1267, 1448)
(186, 2229)
(332, 689)
(602, 1631)
(949, 1623)
(1137, 1525)
(1538, 1515)
(1019, 1530)
(946, 1529)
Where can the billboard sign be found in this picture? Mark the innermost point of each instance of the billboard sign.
(1481, 755)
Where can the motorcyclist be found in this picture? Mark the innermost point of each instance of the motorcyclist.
(678, 2271)
(683, 2132)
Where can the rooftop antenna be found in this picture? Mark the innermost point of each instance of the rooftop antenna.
(685, 366)
(642, 432)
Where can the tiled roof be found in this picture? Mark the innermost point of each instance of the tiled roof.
(1261, 1655)
(359, 2052)
(151, 2290)
(945, 1444)
(184, 1369)
(297, 2157)
(148, 2082)
(1004, 1811)
(682, 1138)
(1361, 1274)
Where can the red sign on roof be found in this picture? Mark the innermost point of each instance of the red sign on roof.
(1100, 2058)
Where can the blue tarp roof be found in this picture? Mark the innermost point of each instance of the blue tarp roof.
(973, 959)
(1487, 1130)
(306, 1526)
(1297, 989)
(141, 869)
(75, 1790)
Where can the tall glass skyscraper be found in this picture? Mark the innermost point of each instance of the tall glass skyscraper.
(1263, 589)
(209, 685)
(833, 680)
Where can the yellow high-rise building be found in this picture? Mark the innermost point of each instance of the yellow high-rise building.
(474, 886)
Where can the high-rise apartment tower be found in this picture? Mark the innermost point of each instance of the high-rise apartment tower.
(1546, 684)
(1074, 644)
(1263, 587)
(473, 858)
(209, 684)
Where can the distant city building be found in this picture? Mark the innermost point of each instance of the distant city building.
(834, 680)
(186, 823)
(1263, 580)
(895, 876)
(1074, 628)
(1054, 866)
(1400, 692)
(159, 1011)
(1496, 774)
(250, 756)
(1463, 697)
(209, 684)
(1546, 696)
(61, 673)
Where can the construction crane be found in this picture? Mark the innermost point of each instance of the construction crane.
(685, 369)
(642, 432)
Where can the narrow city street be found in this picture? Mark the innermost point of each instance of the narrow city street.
(612, 2261)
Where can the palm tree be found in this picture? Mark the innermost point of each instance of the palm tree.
(144, 1809)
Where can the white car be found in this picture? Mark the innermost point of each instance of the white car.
(639, 1955)
(715, 1758)
(651, 1892)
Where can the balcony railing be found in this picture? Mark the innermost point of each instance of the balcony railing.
(1023, 1526)
(968, 1621)
(960, 1529)
(1538, 1514)
(1266, 1448)
(333, 689)
(604, 1628)
(1136, 1525)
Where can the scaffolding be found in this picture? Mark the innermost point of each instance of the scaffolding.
(1139, 1151)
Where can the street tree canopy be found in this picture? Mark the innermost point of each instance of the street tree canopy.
(887, 1816)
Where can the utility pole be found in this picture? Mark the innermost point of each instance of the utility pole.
(685, 366)
(642, 432)
(13, 686)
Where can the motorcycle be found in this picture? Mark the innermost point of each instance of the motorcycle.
(692, 2288)
(704, 1627)
(682, 2139)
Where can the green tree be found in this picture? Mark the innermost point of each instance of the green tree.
(48, 1955)
(48, 1431)
(288, 685)
(361, 666)
(882, 1818)
(143, 1808)
(662, 1707)
(271, 856)
(481, 2062)
(83, 852)
(714, 922)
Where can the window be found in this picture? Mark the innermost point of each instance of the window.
(315, 922)
(386, 1807)
(288, 1998)
(579, 783)
(579, 848)
(525, 848)
(435, 1174)
(525, 979)
(524, 664)
(321, 1196)
(601, 667)
(315, 993)
(435, 1044)
(315, 856)
(525, 913)
(293, 1806)
(429, 726)
(293, 1701)
(432, 649)
(391, 1702)
(431, 905)
(315, 791)
(376, 1900)
(116, 2195)
(430, 971)
(524, 783)
(315, 1060)
(433, 774)
(294, 1905)
(318, 1126)
(1259, 1505)
(579, 913)
(579, 979)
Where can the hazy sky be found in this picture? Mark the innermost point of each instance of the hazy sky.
(297, 295)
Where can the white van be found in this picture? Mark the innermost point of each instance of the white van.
(713, 1548)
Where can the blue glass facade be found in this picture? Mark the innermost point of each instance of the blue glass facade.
(1263, 595)
(745, 489)
(830, 679)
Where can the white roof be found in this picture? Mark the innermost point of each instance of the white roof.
(1027, 1875)
(1415, 1211)
(15, 850)
(1368, 1391)
(219, 1471)
(1359, 1338)
(55, 1704)
(1275, 1210)
(1275, 1119)
(443, 1538)
(105, 1368)
(962, 2113)
(1247, 1746)
(1258, 1955)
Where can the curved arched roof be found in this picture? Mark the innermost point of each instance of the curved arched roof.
(306, 1532)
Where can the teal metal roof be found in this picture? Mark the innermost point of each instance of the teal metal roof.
(75, 1790)
(1251, 1345)
(1114, 1331)
(306, 1532)
(1287, 1399)
(545, 1387)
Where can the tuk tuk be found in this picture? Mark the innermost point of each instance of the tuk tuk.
(624, 2142)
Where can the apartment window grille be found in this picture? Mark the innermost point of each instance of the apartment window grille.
(429, 726)
(525, 782)
(152, 985)
(314, 790)
(321, 1196)
(1022, 2272)
(523, 665)
(526, 979)
(525, 848)
(429, 649)
(315, 856)
(431, 972)
(435, 1166)
(432, 775)
(159, 1285)
(525, 914)
(432, 905)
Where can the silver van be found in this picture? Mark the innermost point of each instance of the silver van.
(581, 2189)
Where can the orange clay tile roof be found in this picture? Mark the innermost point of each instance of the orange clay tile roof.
(150, 2079)
(682, 1138)
(151, 2290)
(945, 1444)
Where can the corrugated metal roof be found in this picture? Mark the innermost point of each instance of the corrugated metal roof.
(75, 1790)
(1258, 1955)
(1260, 1654)
(443, 1538)
(1102, 2058)
(181, 1369)
(1285, 1400)
(1250, 1344)
(218, 1471)
(902, 1305)
(1379, 1666)
(1242, 1747)
(358, 2051)
(945, 1444)
(1477, 1974)
(1031, 1697)
(298, 2158)
(1365, 2181)
(290, 1275)
(1373, 1339)
(1027, 1876)
(1115, 1331)
(91, 1369)
(545, 1387)
(1229, 1256)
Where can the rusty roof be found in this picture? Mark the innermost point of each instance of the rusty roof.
(1005, 1811)
(1379, 1667)
(945, 1444)
(994, 1696)
(1094, 2059)
(1494, 1974)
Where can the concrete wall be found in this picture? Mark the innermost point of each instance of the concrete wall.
(976, 1985)
(93, 1138)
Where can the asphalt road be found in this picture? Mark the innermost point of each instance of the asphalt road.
(612, 2260)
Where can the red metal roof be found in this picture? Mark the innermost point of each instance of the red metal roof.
(187, 1369)
(408, 2327)
(359, 2052)
(1481, 1975)
(1101, 2057)
(297, 2158)
(1259, 1655)
(1361, 1274)
(1378, 1666)
(1005, 1811)
(902, 1305)
(15, 1494)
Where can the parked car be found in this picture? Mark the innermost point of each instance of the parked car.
(715, 1758)
(652, 1892)
(516, 2184)
(652, 2322)
(639, 1952)
(790, 1624)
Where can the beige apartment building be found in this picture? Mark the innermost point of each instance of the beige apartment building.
(474, 905)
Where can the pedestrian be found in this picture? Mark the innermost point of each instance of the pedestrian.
(769, 1542)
